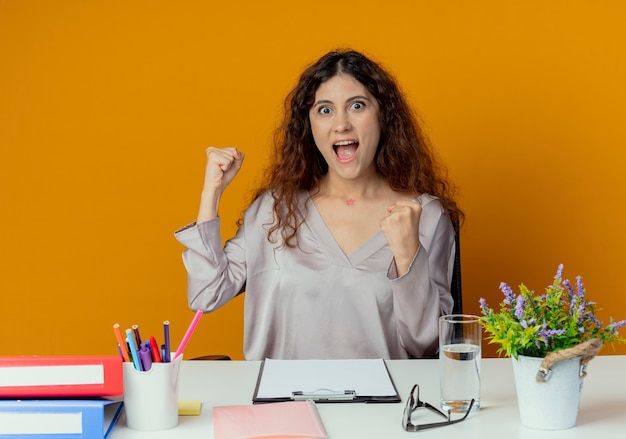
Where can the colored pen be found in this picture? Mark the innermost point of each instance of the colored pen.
(166, 334)
(136, 334)
(120, 342)
(133, 349)
(154, 348)
(188, 334)
(146, 357)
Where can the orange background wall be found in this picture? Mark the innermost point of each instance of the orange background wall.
(106, 109)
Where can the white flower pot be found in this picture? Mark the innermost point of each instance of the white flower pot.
(549, 405)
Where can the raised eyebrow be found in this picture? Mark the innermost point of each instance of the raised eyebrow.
(358, 98)
(322, 102)
(350, 99)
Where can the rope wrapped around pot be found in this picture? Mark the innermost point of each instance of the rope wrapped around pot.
(587, 350)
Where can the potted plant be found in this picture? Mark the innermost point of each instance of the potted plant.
(550, 337)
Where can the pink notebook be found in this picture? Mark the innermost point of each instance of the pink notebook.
(284, 420)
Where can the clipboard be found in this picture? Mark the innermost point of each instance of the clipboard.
(325, 381)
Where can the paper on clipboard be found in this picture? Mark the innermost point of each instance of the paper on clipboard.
(369, 379)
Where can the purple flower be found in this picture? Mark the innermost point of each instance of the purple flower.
(559, 272)
(572, 296)
(542, 332)
(581, 310)
(519, 308)
(547, 334)
(619, 324)
(580, 287)
(614, 326)
(483, 305)
(570, 289)
(593, 319)
(509, 296)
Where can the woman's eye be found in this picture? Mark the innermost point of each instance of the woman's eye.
(324, 110)
(357, 106)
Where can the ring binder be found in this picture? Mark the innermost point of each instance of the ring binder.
(58, 418)
(60, 376)
(324, 395)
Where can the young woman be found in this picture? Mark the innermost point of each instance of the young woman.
(346, 250)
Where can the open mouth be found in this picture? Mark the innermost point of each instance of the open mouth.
(346, 150)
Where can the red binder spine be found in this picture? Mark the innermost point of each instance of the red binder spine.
(61, 376)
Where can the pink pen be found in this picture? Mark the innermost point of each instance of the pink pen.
(187, 336)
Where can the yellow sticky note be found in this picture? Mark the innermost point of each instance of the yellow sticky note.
(189, 407)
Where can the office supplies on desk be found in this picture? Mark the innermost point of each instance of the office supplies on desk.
(166, 336)
(58, 419)
(135, 329)
(156, 351)
(134, 353)
(60, 376)
(151, 397)
(121, 342)
(145, 356)
(363, 380)
(189, 407)
(188, 334)
(287, 420)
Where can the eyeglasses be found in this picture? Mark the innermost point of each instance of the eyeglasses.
(414, 402)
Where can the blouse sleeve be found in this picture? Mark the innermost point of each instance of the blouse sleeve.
(422, 294)
(215, 275)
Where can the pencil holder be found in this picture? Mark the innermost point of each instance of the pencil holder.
(151, 397)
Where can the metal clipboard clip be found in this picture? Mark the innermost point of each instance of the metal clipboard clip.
(324, 395)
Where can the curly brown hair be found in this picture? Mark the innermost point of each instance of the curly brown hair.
(404, 156)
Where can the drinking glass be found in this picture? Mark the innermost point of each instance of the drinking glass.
(460, 338)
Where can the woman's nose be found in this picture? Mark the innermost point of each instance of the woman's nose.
(342, 122)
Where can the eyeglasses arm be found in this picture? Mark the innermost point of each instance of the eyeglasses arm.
(420, 427)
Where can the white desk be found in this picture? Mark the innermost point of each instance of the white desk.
(602, 409)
